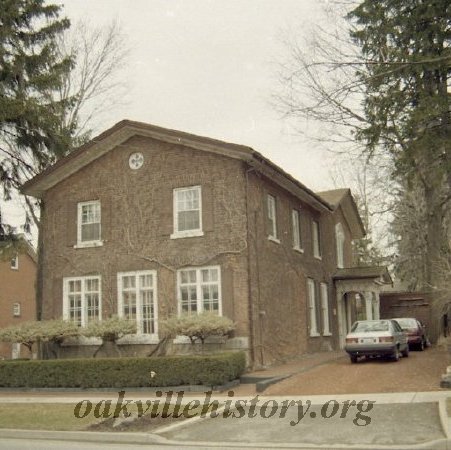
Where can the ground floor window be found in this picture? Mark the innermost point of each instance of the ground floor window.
(325, 308)
(137, 294)
(312, 304)
(82, 299)
(199, 290)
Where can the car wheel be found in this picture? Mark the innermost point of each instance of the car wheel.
(395, 355)
(421, 346)
(405, 352)
(353, 359)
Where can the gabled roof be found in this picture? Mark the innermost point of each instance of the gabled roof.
(335, 196)
(124, 130)
(373, 272)
(343, 198)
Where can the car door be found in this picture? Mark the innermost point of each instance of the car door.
(400, 335)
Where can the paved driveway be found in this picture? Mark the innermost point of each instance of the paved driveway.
(420, 372)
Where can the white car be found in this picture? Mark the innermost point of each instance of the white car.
(376, 338)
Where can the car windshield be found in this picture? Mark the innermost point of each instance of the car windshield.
(368, 327)
(407, 323)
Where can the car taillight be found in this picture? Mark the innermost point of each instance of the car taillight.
(386, 339)
(352, 341)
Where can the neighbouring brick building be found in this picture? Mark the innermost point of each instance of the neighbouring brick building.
(18, 267)
(427, 307)
(147, 222)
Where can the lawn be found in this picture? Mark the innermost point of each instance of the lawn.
(62, 417)
(43, 416)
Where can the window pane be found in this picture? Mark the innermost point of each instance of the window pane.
(90, 232)
(147, 312)
(75, 309)
(129, 305)
(92, 307)
(272, 216)
(296, 230)
(75, 286)
(189, 220)
(146, 281)
(188, 276)
(128, 282)
(90, 213)
(92, 285)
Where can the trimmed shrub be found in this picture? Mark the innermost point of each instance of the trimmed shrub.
(110, 330)
(198, 326)
(211, 370)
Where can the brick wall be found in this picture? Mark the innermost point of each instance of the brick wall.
(17, 286)
(137, 221)
(280, 313)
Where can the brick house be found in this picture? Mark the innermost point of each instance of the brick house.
(147, 222)
(18, 268)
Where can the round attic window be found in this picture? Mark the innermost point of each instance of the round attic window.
(136, 161)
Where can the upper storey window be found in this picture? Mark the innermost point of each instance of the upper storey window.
(15, 262)
(296, 224)
(316, 239)
(89, 224)
(340, 241)
(187, 212)
(272, 218)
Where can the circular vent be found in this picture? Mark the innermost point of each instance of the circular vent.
(136, 161)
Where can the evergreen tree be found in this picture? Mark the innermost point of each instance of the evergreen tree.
(406, 45)
(31, 71)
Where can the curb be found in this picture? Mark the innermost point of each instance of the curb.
(444, 419)
(150, 438)
(186, 388)
(261, 386)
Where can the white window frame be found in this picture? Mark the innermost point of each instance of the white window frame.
(296, 225)
(139, 313)
(15, 262)
(325, 309)
(316, 238)
(93, 243)
(16, 309)
(186, 233)
(66, 304)
(311, 294)
(340, 242)
(199, 284)
(272, 217)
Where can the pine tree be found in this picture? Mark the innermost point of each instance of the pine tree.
(31, 71)
(407, 48)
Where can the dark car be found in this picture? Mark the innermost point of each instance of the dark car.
(416, 332)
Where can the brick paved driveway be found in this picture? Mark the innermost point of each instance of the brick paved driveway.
(421, 371)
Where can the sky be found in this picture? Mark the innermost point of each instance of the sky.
(209, 67)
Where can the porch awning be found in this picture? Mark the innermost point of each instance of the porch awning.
(375, 273)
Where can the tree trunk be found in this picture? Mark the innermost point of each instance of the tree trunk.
(436, 237)
(108, 349)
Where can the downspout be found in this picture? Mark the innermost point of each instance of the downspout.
(249, 271)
